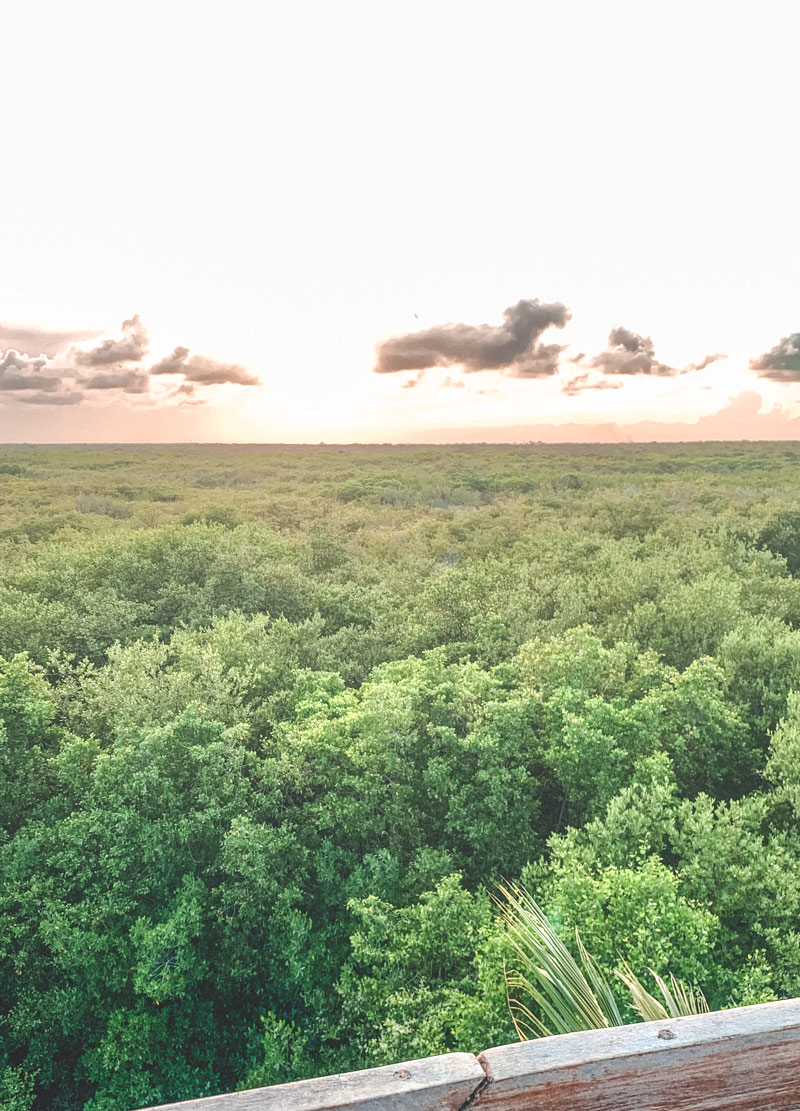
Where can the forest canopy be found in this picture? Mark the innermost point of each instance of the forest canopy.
(276, 722)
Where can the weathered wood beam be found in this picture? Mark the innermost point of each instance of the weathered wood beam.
(746, 1059)
(442, 1083)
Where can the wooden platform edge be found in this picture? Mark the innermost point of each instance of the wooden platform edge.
(443, 1083)
(745, 1059)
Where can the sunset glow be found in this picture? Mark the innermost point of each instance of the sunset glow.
(279, 196)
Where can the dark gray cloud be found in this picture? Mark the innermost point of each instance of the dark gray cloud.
(540, 362)
(118, 378)
(782, 362)
(38, 341)
(512, 346)
(629, 353)
(202, 371)
(29, 382)
(20, 372)
(628, 340)
(131, 348)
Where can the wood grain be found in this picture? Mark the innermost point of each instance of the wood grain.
(442, 1083)
(739, 1060)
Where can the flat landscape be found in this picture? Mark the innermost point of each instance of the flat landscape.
(275, 722)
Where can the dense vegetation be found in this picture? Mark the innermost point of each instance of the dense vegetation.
(275, 722)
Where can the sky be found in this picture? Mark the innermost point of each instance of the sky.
(446, 220)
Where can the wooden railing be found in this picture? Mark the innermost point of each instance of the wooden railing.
(738, 1060)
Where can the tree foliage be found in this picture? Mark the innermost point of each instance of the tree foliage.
(275, 723)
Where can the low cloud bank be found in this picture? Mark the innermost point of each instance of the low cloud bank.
(740, 419)
(61, 373)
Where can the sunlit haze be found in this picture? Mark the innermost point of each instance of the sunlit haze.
(279, 200)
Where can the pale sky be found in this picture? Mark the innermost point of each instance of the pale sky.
(279, 187)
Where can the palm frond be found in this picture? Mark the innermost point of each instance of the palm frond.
(567, 997)
(683, 999)
(680, 999)
(550, 976)
(644, 1003)
(600, 984)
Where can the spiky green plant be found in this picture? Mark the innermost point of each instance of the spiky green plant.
(566, 996)
(679, 998)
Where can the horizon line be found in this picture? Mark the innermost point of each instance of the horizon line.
(385, 443)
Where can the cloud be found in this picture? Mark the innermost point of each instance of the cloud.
(114, 365)
(29, 382)
(706, 361)
(20, 372)
(39, 341)
(640, 355)
(72, 397)
(629, 353)
(12, 360)
(202, 371)
(130, 381)
(173, 364)
(782, 363)
(184, 394)
(207, 372)
(132, 347)
(512, 347)
(116, 355)
(586, 382)
(540, 362)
